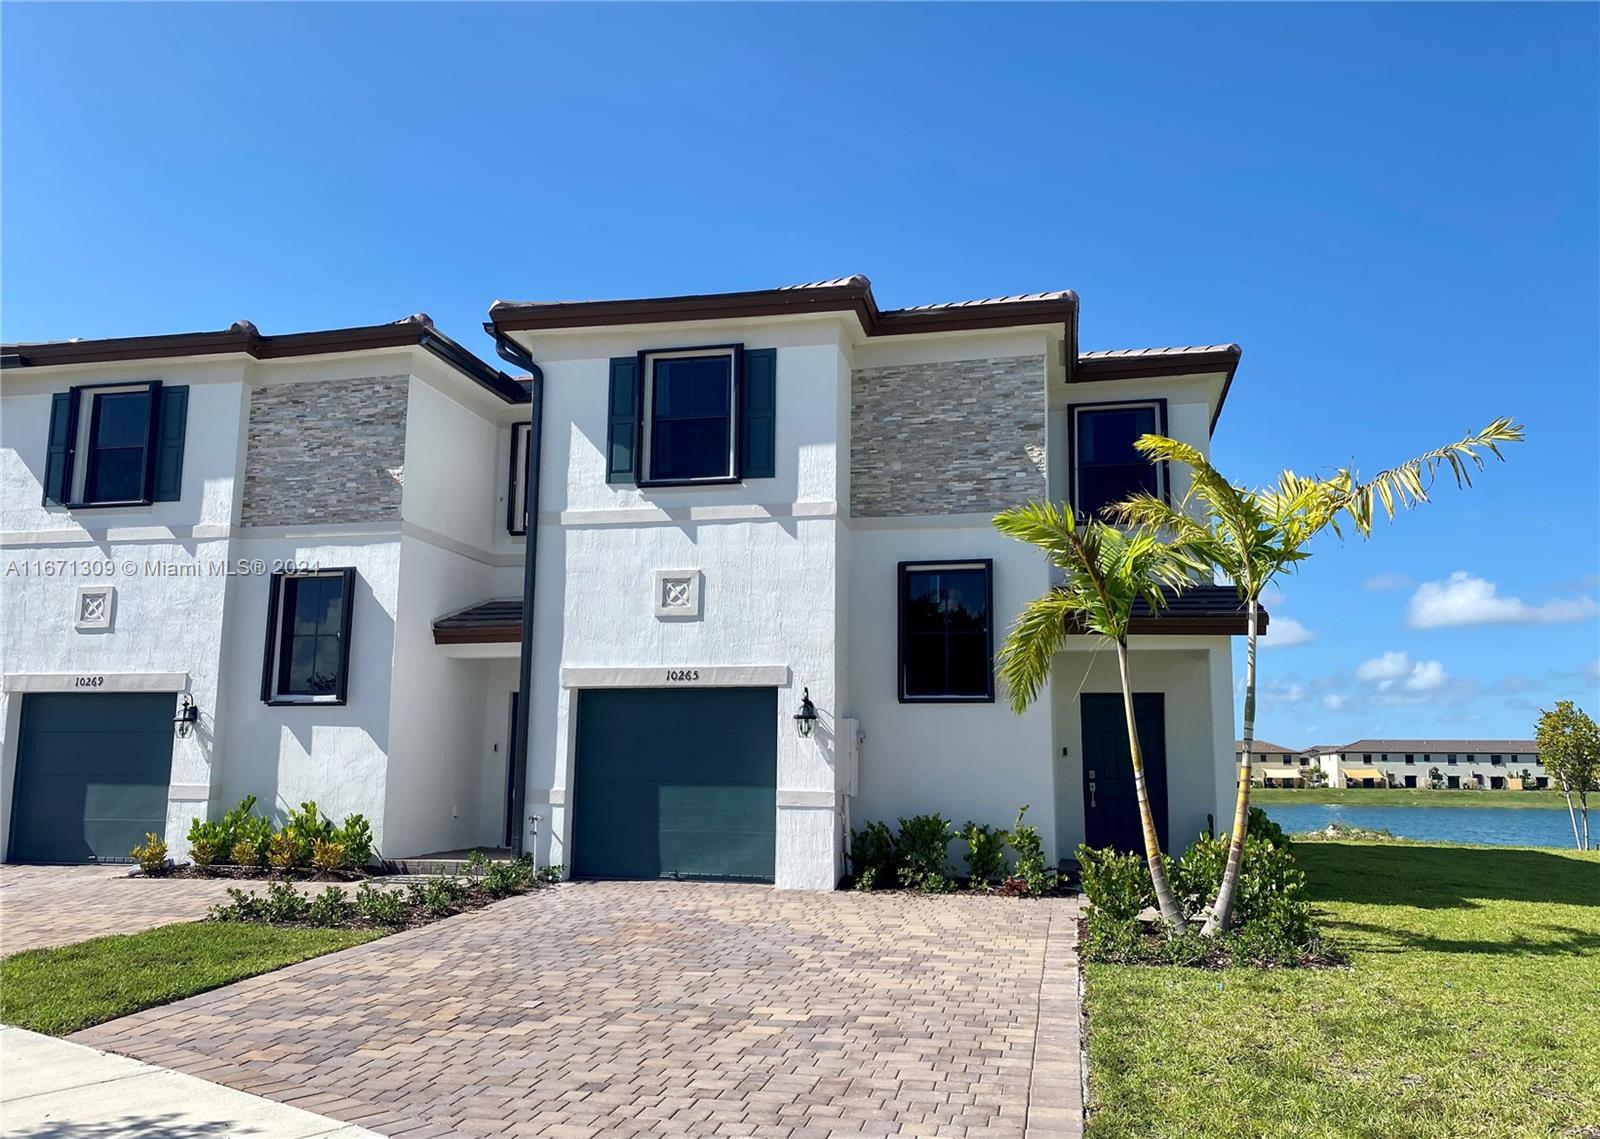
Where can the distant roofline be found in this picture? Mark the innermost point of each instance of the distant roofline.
(1149, 363)
(1266, 746)
(843, 294)
(243, 338)
(1446, 746)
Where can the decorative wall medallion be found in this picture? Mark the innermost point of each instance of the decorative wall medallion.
(94, 606)
(677, 595)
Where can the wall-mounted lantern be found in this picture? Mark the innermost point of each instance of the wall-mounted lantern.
(188, 716)
(806, 718)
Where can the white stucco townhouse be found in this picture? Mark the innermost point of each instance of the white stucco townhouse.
(744, 509)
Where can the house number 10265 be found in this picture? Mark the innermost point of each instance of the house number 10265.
(683, 675)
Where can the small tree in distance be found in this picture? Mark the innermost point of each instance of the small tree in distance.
(1569, 748)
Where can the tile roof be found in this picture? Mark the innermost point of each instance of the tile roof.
(1149, 353)
(488, 622)
(1260, 747)
(1445, 746)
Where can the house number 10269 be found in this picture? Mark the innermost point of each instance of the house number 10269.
(88, 681)
(683, 675)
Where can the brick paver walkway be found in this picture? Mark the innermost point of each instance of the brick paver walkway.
(57, 905)
(671, 1009)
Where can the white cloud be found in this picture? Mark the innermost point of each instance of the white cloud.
(1335, 702)
(1282, 632)
(1388, 667)
(1380, 582)
(1426, 676)
(1466, 600)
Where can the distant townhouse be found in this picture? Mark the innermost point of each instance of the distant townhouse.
(700, 584)
(1274, 765)
(1491, 765)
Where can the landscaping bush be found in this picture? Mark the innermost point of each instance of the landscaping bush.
(1259, 825)
(380, 907)
(287, 850)
(1116, 883)
(151, 855)
(986, 852)
(329, 908)
(356, 835)
(310, 823)
(243, 907)
(247, 853)
(1032, 873)
(208, 843)
(286, 904)
(328, 855)
(873, 858)
(923, 846)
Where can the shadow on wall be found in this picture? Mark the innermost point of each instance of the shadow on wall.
(1445, 877)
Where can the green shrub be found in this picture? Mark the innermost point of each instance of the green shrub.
(208, 843)
(1197, 873)
(381, 907)
(328, 855)
(1032, 870)
(986, 851)
(1259, 825)
(329, 908)
(356, 834)
(285, 904)
(1112, 940)
(872, 857)
(547, 875)
(310, 823)
(235, 825)
(923, 847)
(288, 850)
(246, 852)
(1116, 883)
(440, 896)
(151, 855)
(243, 907)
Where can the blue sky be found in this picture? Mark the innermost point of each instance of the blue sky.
(1392, 208)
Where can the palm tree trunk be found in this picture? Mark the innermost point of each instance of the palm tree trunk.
(1166, 900)
(1222, 911)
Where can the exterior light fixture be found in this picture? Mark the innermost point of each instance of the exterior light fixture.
(806, 718)
(188, 716)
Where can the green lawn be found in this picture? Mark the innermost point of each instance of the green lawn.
(1405, 796)
(1468, 1010)
(63, 990)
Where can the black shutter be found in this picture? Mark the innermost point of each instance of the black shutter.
(347, 611)
(171, 418)
(269, 653)
(58, 455)
(622, 421)
(758, 414)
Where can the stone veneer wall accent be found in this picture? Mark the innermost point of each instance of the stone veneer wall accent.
(956, 437)
(325, 451)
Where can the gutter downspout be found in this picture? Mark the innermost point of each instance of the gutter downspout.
(513, 353)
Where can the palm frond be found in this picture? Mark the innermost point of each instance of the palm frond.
(1406, 485)
(1025, 659)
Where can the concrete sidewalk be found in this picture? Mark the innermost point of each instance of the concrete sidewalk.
(52, 1089)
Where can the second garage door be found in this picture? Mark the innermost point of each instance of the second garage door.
(676, 783)
(92, 775)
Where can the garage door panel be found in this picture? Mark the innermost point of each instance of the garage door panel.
(92, 775)
(676, 783)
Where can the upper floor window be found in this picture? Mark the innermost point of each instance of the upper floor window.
(1106, 468)
(517, 486)
(946, 631)
(115, 445)
(689, 416)
(307, 657)
(1411, 758)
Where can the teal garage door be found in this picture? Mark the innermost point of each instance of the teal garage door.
(676, 783)
(92, 775)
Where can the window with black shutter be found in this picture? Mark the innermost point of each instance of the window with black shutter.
(307, 658)
(116, 445)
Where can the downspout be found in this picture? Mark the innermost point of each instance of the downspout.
(513, 353)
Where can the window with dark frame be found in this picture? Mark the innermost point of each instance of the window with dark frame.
(517, 486)
(1106, 468)
(689, 400)
(308, 638)
(115, 444)
(946, 631)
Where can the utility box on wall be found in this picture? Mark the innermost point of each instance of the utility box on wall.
(849, 752)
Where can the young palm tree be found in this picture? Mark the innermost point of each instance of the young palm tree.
(1253, 535)
(1106, 571)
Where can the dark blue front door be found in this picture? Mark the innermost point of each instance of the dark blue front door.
(92, 775)
(676, 783)
(1110, 807)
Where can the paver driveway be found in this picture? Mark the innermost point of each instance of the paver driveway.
(620, 1009)
(58, 905)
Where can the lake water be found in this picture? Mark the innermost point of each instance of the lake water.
(1491, 826)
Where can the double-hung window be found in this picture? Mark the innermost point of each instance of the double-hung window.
(307, 657)
(115, 445)
(689, 415)
(946, 631)
(1106, 468)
